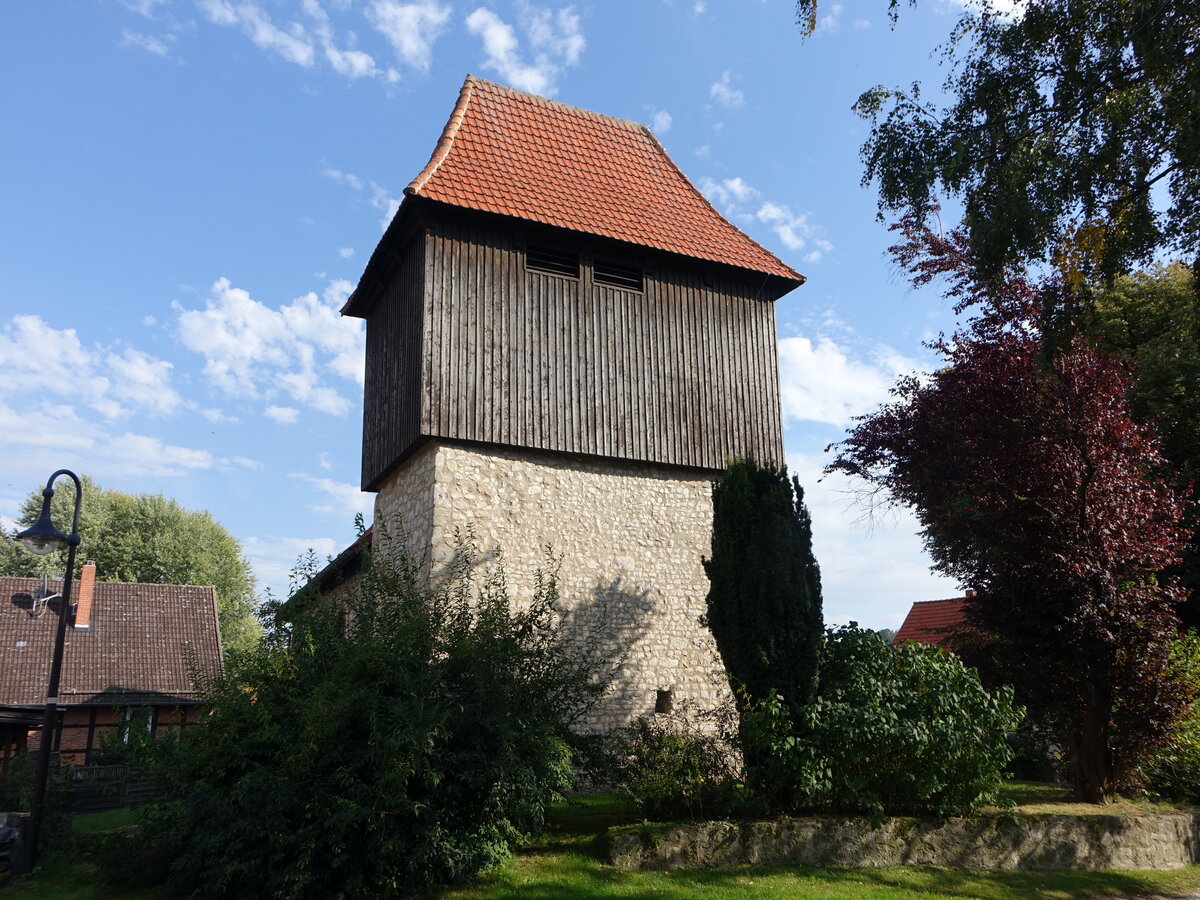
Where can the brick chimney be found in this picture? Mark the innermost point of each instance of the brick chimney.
(87, 588)
(970, 593)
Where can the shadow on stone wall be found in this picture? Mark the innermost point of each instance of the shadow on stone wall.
(603, 628)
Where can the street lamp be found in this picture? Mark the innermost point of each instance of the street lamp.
(42, 538)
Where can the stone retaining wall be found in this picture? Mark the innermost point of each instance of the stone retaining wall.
(982, 842)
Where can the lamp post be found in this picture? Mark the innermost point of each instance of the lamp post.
(41, 538)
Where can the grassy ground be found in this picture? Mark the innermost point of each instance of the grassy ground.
(566, 863)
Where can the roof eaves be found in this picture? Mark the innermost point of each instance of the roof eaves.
(446, 141)
(792, 273)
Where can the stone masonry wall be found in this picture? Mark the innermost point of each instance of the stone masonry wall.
(631, 537)
(1168, 841)
(406, 500)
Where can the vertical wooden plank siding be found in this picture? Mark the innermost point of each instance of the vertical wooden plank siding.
(392, 395)
(480, 349)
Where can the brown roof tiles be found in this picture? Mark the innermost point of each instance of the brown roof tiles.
(937, 622)
(512, 153)
(142, 643)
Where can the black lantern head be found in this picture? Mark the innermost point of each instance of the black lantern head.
(42, 537)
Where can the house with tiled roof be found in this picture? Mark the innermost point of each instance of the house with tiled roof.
(566, 342)
(131, 658)
(941, 623)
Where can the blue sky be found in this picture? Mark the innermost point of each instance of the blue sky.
(192, 188)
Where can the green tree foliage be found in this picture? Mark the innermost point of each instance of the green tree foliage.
(1035, 484)
(1072, 124)
(145, 538)
(1152, 318)
(895, 730)
(764, 599)
(1174, 772)
(403, 736)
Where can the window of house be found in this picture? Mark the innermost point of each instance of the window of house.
(136, 718)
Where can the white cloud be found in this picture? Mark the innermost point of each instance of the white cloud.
(832, 20)
(821, 380)
(725, 94)
(216, 416)
(292, 44)
(1007, 9)
(555, 40)
(284, 415)
(380, 197)
(29, 436)
(246, 463)
(252, 350)
(146, 42)
(698, 7)
(411, 28)
(661, 123)
(728, 192)
(273, 559)
(862, 24)
(872, 569)
(114, 381)
(794, 230)
(344, 178)
(337, 498)
(143, 7)
(345, 252)
(349, 62)
(149, 321)
(323, 461)
(143, 381)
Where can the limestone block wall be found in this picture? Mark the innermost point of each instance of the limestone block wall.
(631, 537)
(406, 498)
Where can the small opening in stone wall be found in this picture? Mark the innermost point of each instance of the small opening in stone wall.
(664, 703)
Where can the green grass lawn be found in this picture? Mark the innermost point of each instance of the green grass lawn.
(567, 863)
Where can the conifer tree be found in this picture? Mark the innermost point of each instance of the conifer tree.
(764, 599)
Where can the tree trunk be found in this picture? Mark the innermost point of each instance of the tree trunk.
(1090, 764)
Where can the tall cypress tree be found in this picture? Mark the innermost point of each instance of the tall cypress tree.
(764, 599)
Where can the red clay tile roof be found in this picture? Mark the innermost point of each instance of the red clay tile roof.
(142, 640)
(933, 622)
(504, 151)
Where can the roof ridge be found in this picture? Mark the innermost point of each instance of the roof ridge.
(446, 141)
(557, 104)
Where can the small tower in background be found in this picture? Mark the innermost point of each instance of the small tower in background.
(565, 343)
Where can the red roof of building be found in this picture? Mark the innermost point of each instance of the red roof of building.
(144, 643)
(508, 152)
(934, 622)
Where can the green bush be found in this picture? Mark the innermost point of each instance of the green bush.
(16, 795)
(400, 737)
(1174, 771)
(894, 730)
(671, 769)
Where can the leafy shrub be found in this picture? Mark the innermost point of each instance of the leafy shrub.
(1174, 771)
(670, 768)
(403, 736)
(16, 795)
(894, 730)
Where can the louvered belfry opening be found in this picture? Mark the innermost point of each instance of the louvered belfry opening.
(618, 274)
(552, 260)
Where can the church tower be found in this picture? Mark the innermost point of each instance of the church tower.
(565, 344)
